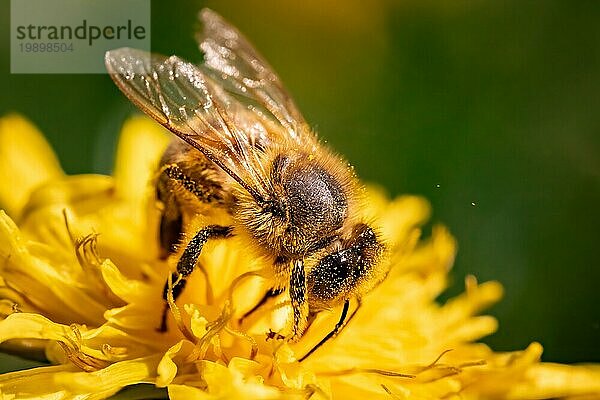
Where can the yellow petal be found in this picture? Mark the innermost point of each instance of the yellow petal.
(107, 381)
(360, 387)
(141, 145)
(31, 326)
(49, 286)
(129, 290)
(457, 313)
(183, 392)
(548, 380)
(231, 384)
(85, 194)
(167, 368)
(35, 383)
(26, 161)
(217, 378)
(401, 216)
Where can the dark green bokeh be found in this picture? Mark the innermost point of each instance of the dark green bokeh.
(488, 109)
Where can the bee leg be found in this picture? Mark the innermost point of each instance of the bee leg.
(187, 262)
(298, 299)
(340, 324)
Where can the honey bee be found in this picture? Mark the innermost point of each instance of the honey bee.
(243, 147)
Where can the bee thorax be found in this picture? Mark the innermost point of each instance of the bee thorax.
(307, 205)
(317, 204)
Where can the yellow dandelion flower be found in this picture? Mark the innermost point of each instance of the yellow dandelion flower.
(82, 283)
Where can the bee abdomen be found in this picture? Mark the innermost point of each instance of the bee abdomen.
(206, 192)
(171, 227)
(189, 184)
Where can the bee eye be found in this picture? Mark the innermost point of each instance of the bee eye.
(274, 209)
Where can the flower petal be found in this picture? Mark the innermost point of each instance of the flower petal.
(31, 326)
(50, 285)
(549, 380)
(167, 368)
(141, 145)
(26, 161)
(108, 381)
(232, 383)
(129, 290)
(67, 382)
(35, 383)
(183, 392)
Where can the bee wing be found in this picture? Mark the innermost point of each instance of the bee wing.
(182, 98)
(232, 61)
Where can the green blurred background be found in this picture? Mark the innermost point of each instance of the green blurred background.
(491, 110)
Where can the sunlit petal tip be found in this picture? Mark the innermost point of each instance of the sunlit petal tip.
(445, 246)
(532, 353)
(398, 216)
(26, 161)
(550, 380)
(481, 296)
